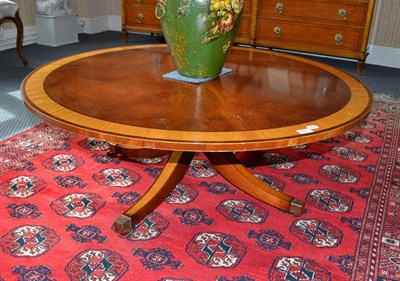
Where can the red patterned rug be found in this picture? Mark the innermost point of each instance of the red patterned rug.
(60, 194)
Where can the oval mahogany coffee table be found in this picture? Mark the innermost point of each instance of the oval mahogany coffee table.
(268, 100)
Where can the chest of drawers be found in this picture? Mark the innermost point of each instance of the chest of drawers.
(337, 28)
(139, 16)
(329, 27)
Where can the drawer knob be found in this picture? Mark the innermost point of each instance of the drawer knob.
(277, 31)
(338, 39)
(279, 8)
(342, 14)
(140, 18)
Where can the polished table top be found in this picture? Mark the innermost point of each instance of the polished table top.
(269, 100)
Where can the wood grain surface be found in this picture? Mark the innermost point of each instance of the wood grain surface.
(267, 101)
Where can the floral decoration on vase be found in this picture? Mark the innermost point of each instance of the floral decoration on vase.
(199, 33)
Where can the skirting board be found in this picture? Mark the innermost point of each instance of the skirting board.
(385, 56)
(378, 55)
(99, 24)
(8, 40)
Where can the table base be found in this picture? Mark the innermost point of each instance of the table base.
(225, 163)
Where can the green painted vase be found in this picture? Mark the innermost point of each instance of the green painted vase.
(199, 33)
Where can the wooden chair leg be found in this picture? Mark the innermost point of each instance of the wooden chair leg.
(20, 37)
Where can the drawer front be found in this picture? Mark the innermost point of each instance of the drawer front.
(276, 33)
(145, 14)
(247, 7)
(306, 10)
(140, 2)
(141, 16)
(244, 28)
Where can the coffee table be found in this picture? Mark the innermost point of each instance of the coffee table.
(268, 100)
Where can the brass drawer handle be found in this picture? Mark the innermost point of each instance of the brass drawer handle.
(160, 8)
(338, 39)
(279, 8)
(140, 18)
(277, 31)
(342, 14)
(140, 1)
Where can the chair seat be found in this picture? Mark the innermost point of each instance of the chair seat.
(8, 9)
